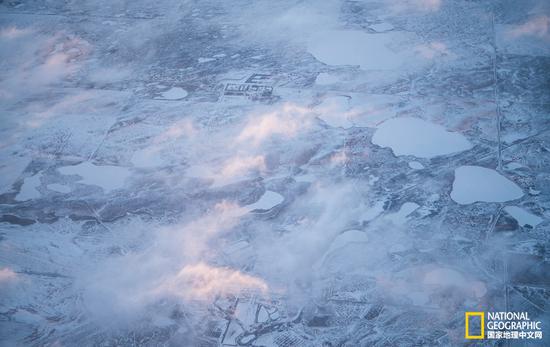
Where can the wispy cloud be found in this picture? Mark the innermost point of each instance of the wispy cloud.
(240, 150)
(433, 50)
(7, 275)
(538, 27)
(202, 281)
(13, 32)
(286, 121)
(403, 6)
(38, 60)
(179, 264)
(239, 166)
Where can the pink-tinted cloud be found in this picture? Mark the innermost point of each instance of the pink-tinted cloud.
(286, 121)
(176, 266)
(538, 27)
(12, 33)
(402, 6)
(202, 281)
(241, 165)
(37, 60)
(433, 50)
(7, 275)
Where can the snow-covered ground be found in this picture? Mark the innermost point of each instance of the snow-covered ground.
(271, 173)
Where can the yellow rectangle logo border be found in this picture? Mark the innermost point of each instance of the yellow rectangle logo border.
(467, 316)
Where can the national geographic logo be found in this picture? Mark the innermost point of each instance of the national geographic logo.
(481, 332)
(501, 325)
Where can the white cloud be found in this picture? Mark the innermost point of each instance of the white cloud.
(13, 32)
(433, 50)
(403, 6)
(239, 166)
(38, 60)
(176, 266)
(286, 121)
(538, 27)
(202, 281)
(7, 275)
